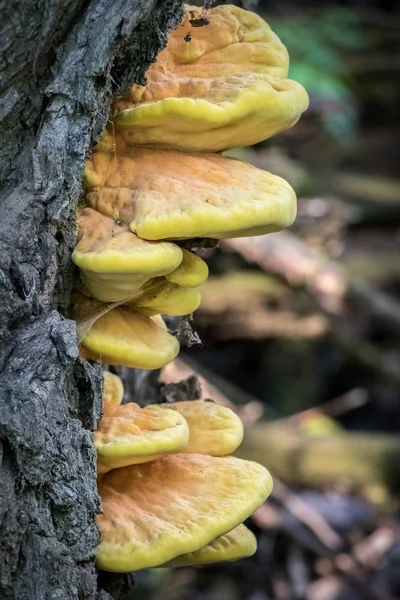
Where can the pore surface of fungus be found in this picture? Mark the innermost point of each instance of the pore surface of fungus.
(114, 262)
(224, 88)
(134, 435)
(174, 505)
(122, 336)
(214, 429)
(171, 195)
(238, 543)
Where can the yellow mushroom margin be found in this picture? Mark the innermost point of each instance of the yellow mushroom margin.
(177, 504)
(225, 87)
(214, 429)
(122, 336)
(236, 544)
(115, 263)
(166, 195)
(113, 392)
(134, 435)
(160, 296)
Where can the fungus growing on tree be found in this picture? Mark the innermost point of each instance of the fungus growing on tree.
(238, 543)
(214, 429)
(114, 263)
(170, 195)
(191, 273)
(133, 435)
(228, 87)
(177, 504)
(161, 297)
(113, 392)
(122, 336)
(170, 494)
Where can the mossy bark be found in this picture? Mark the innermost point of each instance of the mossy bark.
(61, 61)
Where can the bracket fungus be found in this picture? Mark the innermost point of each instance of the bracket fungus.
(161, 297)
(133, 435)
(214, 429)
(177, 504)
(185, 508)
(113, 393)
(122, 336)
(170, 494)
(225, 88)
(191, 273)
(114, 262)
(238, 543)
(170, 195)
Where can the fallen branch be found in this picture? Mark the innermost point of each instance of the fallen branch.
(364, 463)
(329, 285)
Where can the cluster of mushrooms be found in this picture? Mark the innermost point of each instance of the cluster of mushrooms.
(170, 494)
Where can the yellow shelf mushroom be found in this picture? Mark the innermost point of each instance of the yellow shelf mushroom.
(133, 435)
(170, 195)
(161, 297)
(214, 429)
(191, 273)
(113, 393)
(129, 435)
(215, 87)
(114, 262)
(170, 494)
(238, 543)
(177, 504)
(122, 336)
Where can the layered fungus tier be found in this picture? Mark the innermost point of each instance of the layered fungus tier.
(171, 493)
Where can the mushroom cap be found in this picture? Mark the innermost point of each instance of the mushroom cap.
(192, 271)
(174, 505)
(134, 435)
(238, 543)
(214, 429)
(113, 392)
(171, 195)
(122, 336)
(226, 87)
(161, 297)
(115, 262)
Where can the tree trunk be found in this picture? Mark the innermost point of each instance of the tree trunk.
(61, 61)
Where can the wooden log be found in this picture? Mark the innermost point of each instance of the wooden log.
(364, 463)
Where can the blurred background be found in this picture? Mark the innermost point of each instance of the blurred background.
(300, 330)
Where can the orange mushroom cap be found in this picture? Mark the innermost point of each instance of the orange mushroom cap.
(114, 262)
(171, 195)
(214, 429)
(133, 435)
(174, 505)
(215, 87)
(121, 335)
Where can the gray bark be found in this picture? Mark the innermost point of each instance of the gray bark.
(60, 63)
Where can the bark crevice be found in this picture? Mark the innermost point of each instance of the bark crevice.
(60, 63)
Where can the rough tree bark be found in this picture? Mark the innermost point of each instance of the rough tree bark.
(60, 62)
